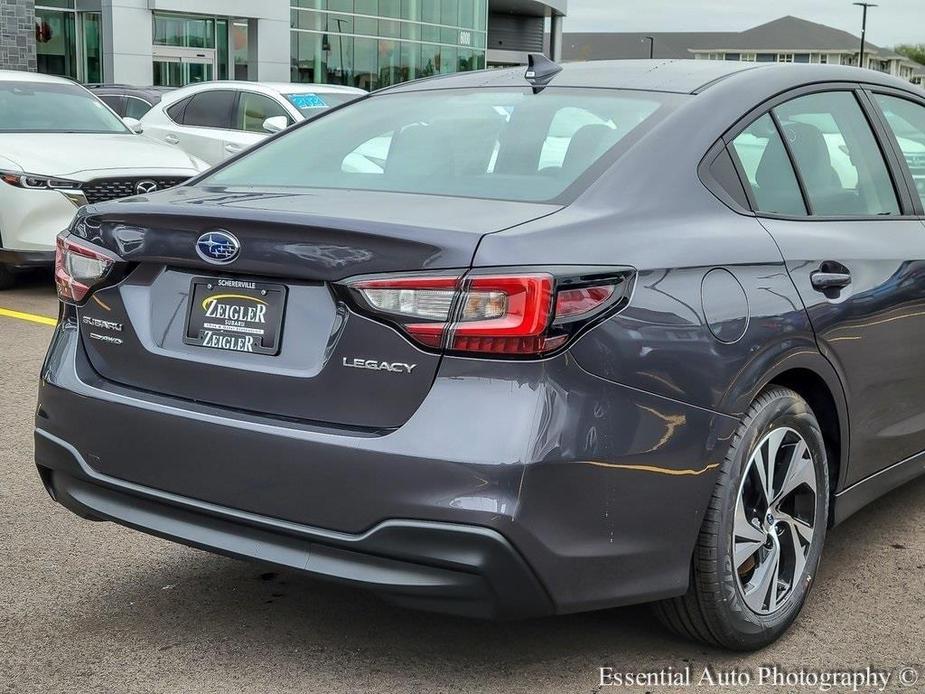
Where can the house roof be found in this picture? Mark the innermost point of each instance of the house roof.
(793, 33)
(784, 34)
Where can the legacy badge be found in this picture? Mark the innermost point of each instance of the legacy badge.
(396, 367)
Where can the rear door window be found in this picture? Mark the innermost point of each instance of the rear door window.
(769, 173)
(834, 149)
(907, 121)
(211, 109)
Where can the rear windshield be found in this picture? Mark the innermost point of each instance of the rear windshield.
(488, 143)
(35, 107)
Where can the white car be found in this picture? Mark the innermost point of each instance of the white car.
(60, 148)
(216, 120)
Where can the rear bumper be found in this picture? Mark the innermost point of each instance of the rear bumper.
(444, 567)
(26, 259)
(516, 489)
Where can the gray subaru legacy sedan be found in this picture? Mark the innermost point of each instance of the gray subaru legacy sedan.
(516, 343)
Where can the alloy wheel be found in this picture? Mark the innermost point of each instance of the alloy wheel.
(774, 520)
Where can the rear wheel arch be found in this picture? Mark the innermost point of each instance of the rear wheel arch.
(818, 395)
(817, 381)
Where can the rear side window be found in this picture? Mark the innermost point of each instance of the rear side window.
(840, 163)
(907, 121)
(767, 168)
(135, 107)
(114, 102)
(508, 144)
(210, 109)
(177, 110)
(253, 109)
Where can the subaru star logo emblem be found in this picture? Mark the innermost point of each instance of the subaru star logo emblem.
(146, 186)
(218, 247)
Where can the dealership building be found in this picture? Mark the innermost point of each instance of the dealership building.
(364, 43)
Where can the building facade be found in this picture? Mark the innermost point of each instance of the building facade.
(17, 48)
(363, 43)
(785, 40)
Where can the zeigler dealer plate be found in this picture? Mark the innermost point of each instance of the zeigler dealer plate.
(235, 315)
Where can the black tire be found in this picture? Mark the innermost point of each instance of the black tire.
(714, 610)
(7, 277)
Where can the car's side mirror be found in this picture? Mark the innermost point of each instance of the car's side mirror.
(134, 125)
(275, 124)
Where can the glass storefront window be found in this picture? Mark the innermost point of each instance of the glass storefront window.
(92, 47)
(389, 62)
(430, 34)
(390, 8)
(221, 47)
(430, 60)
(481, 14)
(375, 43)
(411, 31)
(466, 15)
(238, 49)
(430, 11)
(183, 31)
(389, 29)
(410, 61)
(322, 59)
(366, 63)
(220, 43)
(447, 60)
(411, 9)
(449, 11)
(56, 43)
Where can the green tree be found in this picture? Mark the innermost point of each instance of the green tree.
(913, 51)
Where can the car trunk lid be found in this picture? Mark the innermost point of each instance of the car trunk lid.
(318, 360)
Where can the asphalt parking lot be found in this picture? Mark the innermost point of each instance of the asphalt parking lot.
(92, 607)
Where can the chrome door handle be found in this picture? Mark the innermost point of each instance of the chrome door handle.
(172, 139)
(830, 280)
(232, 148)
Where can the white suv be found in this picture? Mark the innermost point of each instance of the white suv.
(60, 148)
(216, 120)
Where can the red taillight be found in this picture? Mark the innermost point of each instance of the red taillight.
(78, 267)
(571, 303)
(503, 314)
(520, 325)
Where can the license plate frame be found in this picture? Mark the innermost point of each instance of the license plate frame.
(243, 316)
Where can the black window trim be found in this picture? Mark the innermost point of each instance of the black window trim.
(869, 94)
(798, 175)
(895, 168)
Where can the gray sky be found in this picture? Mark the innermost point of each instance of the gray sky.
(895, 21)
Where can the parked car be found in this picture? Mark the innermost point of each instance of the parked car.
(499, 376)
(128, 101)
(217, 120)
(60, 148)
